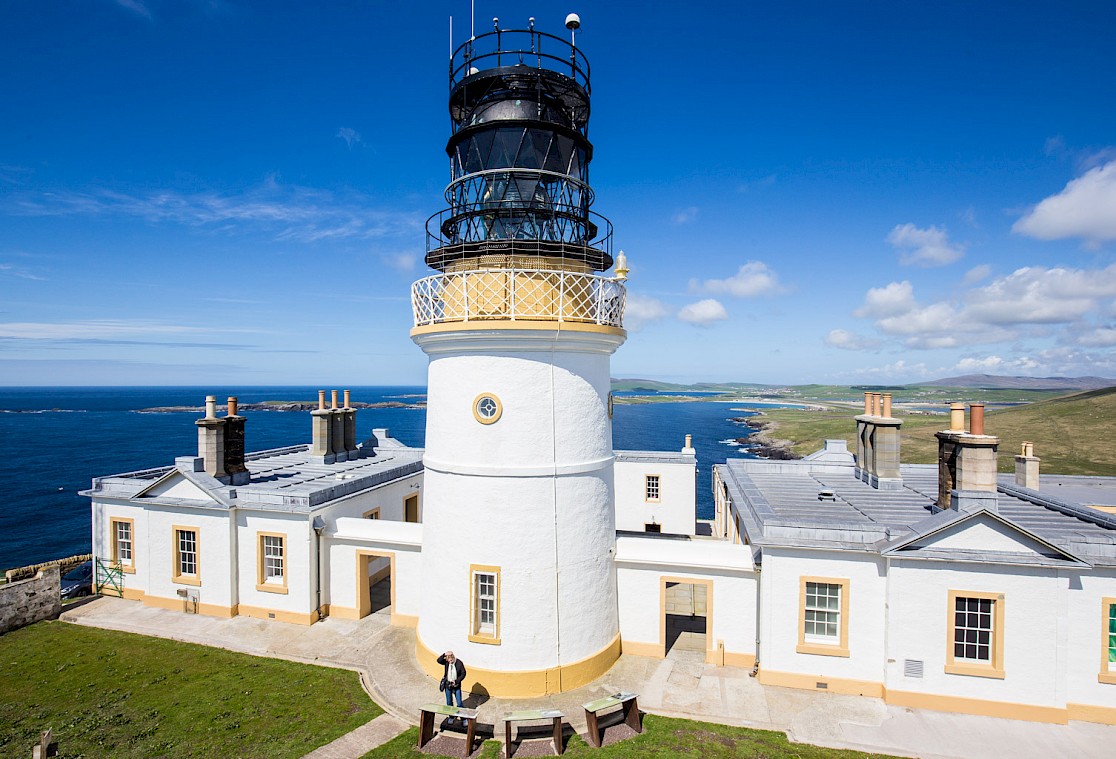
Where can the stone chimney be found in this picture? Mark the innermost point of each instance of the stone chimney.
(688, 448)
(349, 416)
(337, 429)
(1027, 467)
(321, 444)
(966, 461)
(877, 443)
(211, 440)
(234, 445)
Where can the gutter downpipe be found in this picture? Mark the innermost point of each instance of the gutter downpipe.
(317, 524)
(759, 605)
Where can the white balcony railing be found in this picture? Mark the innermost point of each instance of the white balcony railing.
(518, 295)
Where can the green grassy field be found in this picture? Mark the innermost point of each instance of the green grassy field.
(1072, 434)
(115, 694)
(665, 738)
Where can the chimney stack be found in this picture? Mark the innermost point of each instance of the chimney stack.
(321, 445)
(349, 416)
(689, 446)
(877, 443)
(211, 440)
(1027, 467)
(234, 445)
(337, 429)
(966, 461)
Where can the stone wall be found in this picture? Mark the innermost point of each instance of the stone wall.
(28, 601)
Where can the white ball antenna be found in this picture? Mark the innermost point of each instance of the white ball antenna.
(573, 23)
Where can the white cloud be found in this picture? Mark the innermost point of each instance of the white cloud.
(19, 271)
(897, 370)
(703, 313)
(290, 212)
(845, 340)
(1031, 301)
(1101, 337)
(349, 135)
(1085, 208)
(976, 274)
(685, 216)
(641, 310)
(94, 328)
(924, 247)
(890, 300)
(401, 262)
(751, 280)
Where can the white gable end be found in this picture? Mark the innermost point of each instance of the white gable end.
(983, 534)
(176, 486)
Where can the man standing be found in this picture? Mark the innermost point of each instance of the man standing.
(454, 676)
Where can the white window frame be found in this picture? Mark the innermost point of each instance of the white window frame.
(186, 555)
(652, 488)
(484, 592)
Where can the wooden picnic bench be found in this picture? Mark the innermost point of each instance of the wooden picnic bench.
(532, 716)
(622, 699)
(426, 723)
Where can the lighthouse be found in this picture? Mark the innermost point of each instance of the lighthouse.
(519, 323)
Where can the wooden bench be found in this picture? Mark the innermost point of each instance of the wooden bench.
(622, 699)
(426, 723)
(531, 716)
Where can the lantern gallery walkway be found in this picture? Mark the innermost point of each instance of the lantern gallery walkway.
(679, 686)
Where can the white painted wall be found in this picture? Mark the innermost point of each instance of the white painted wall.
(1035, 622)
(676, 509)
(300, 595)
(641, 565)
(349, 535)
(1085, 636)
(214, 553)
(779, 624)
(388, 498)
(531, 494)
(103, 512)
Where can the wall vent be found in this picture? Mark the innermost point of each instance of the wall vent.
(912, 668)
(821, 686)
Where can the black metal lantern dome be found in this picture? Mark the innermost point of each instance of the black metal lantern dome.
(519, 159)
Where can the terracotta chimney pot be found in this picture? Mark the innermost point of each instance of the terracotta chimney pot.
(886, 406)
(347, 400)
(976, 418)
(232, 406)
(334, 406)
(867, 403)
(321, 400)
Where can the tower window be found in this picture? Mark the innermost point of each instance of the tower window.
(487, 408)
(485, 622)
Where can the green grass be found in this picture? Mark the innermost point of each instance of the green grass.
(662, 737)
(1072, 433)
(115, 694)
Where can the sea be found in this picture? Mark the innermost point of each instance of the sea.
(53, 441)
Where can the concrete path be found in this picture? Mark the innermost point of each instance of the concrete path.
(680, 686)
(359, 742)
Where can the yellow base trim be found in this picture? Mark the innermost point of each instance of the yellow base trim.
(820, 649)
(130, 594)
(1106, 715)
(980, 707)
(746, 661)
(178, 604)
(526, 683)
(343, 612)
(832, 684)
(404, 620)
(294, 617)
(522, 324)
(635, 648)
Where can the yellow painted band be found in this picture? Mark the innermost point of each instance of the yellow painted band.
(1106, 715)
(1003, 709)
(293, 617)
(175, 604)
(832, 684)
(518, 324)
(526, 683)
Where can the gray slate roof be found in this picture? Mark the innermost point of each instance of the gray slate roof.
(778, 505)
(281, 479)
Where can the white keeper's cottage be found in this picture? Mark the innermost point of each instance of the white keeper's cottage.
(523, 541)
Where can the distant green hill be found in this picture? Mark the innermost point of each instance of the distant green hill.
(1073, 434)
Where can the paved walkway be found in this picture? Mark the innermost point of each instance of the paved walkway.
(680, 686)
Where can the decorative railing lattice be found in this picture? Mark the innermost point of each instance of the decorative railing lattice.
(518, 295)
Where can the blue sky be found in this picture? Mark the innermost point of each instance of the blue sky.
(234, 193)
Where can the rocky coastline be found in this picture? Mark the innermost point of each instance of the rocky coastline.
(762, 441)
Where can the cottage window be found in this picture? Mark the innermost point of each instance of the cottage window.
(823, 616)
(186, 556)
(651, 487)
(976, 634)
(1108, 641)
(121, 532)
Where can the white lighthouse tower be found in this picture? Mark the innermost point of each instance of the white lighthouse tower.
(519, 326)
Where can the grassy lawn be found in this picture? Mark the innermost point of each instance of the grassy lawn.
(662, 737)
(116, 694)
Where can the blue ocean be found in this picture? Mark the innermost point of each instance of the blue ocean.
(53, 441)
